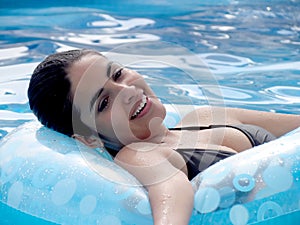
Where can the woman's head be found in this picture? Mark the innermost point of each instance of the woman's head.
(81, 91)
(49, 91)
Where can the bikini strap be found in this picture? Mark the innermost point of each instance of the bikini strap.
(199, 127)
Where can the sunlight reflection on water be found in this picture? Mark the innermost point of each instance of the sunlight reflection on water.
(251, 50)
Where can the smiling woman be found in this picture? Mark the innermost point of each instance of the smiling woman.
(84, 95)
(113, 100)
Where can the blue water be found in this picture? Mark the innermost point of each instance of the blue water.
(251, 48)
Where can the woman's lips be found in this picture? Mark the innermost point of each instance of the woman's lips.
(140, 111)
(146, 109)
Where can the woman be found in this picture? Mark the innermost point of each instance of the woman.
(84, 95)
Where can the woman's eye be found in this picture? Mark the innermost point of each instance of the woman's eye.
(103, 104)
(117, 74)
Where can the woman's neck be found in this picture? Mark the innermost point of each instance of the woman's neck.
(158, 134)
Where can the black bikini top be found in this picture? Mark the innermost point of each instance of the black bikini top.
(198, 160)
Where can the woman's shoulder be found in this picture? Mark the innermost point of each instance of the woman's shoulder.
(142, 153)
(149, 154)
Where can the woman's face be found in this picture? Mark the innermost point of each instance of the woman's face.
(114, 100)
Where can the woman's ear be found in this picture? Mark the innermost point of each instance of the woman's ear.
(91, 141)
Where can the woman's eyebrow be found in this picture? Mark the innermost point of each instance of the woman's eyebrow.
(98, 93)
(109, 68)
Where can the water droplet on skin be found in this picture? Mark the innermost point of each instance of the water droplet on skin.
(168, 196)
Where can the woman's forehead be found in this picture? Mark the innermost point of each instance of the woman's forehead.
(91, 67)
(87, 69)
(88, 64)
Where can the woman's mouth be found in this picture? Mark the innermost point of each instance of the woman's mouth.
(142, 108)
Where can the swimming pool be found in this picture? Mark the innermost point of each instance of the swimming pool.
(251, 49)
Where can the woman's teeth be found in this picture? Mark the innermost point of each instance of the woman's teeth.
(140, 108)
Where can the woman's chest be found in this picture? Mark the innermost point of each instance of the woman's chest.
(226, 139)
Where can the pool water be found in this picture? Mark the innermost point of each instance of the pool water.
(250, 49)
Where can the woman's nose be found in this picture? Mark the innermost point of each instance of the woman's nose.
(128, 93)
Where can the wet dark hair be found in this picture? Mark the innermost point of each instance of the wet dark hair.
(49, 93)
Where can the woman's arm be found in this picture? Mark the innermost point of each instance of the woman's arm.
(170, 192)
(171, 200)
(276, 123)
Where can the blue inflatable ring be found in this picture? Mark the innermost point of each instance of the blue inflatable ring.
(48, 178)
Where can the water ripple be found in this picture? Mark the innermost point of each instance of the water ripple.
(227, 95)
(288, 94)
(110, 24)
(112, 39)
(251, 48)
